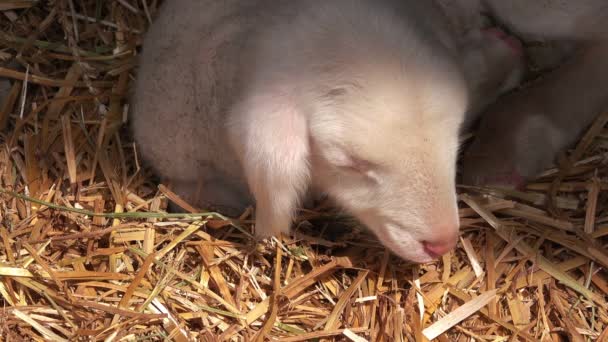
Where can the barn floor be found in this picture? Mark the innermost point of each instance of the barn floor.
(87, 252)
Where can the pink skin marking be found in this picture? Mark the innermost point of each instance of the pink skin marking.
(514, 43)
(512, 178)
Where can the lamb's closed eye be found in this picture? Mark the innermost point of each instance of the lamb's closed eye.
(362, 168)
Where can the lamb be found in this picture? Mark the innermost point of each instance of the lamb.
(269, 101)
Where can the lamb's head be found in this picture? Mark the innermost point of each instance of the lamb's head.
(385, 148)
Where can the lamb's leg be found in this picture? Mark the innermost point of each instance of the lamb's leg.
(494, 64)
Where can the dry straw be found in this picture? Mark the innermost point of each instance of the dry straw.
(87, 252)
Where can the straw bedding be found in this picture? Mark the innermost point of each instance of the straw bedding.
(87, 251)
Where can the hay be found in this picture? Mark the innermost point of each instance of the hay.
(87, 252)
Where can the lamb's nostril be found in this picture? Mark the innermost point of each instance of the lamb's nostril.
(439, 247)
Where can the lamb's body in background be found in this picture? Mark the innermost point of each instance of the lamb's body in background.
(362, 100)
(521, 134)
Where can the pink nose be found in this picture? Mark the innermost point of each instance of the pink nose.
(438, 248)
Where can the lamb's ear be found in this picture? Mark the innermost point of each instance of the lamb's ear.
(270, 136)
